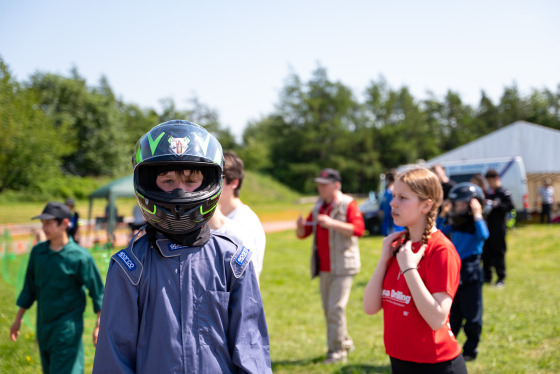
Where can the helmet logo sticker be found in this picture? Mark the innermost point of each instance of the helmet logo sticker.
(178, 145)
(154, 143)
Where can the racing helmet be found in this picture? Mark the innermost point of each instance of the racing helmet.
(173, 146)
(464, 191)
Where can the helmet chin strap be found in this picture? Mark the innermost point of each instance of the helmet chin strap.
(194, 238)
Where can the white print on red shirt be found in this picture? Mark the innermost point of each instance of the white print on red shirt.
(396, 297)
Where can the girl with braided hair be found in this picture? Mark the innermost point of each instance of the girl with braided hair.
(415, 281)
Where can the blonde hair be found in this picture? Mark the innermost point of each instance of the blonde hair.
(426, 185)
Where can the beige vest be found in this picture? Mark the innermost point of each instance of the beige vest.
(344, 251)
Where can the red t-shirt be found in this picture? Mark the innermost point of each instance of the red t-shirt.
(353, 216)
(407, 336)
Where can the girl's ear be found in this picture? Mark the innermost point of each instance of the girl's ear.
(427, 206)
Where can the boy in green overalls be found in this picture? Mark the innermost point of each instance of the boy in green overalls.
(57, 272)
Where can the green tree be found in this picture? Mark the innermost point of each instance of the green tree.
(512, 106)
(94, 119)
(31, 146)
(311, 129)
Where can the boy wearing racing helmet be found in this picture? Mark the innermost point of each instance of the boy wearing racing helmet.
(180, 299)
(462, 218)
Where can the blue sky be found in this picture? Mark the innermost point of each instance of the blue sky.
(235, 56)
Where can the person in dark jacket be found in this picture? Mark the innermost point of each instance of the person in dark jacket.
(181, 299)
(498, 204)
(462, 218)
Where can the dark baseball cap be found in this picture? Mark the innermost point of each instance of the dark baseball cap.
(328, 175)
(55, 210)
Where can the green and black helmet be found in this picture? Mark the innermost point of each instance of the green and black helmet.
(176, 145)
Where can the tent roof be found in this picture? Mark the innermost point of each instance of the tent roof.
(122, 187)
(539, 147)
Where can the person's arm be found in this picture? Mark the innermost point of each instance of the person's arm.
(434, 308)
(304, 228)
(118, 325)
(96, 329)
(481, 230)
(93, 282)
(372, 293)
(248, 332)
(14, 330)
(354, 225)
(345, 228)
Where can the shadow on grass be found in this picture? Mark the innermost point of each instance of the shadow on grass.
(347, 369)
(363, 369)
(301, 362)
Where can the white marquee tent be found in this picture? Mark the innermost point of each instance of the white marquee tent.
(539, 147)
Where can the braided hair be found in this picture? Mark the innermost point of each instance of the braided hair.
(426, 185)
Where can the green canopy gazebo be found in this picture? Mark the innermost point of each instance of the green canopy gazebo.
(122, 187)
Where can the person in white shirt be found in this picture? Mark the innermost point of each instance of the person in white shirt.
(233, 208)
(546, 193)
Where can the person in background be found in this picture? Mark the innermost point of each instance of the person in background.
(446, 183)
(74, 224)
(137, 220)
(336, 224)
(180, 299)
(463, 219)
(387, 225)
(233, 208)
(415, 282)
(58, 273)
(478, 179)
(546, 194)
(220, 224)
(498, 205)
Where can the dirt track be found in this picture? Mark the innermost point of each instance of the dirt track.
(20, 238)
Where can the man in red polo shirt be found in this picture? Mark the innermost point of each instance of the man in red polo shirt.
(336, 223)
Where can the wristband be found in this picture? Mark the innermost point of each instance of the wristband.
(407, 270)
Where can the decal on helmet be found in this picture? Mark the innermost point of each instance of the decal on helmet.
(209, 210)
(139, 155)
(154, 212)
(178, 145)
(203, 143)
(154, 143)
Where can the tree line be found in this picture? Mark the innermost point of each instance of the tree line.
(57, 126)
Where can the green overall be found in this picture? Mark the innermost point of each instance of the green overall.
(57, 281)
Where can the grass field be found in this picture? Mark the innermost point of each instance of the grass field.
(521, 332)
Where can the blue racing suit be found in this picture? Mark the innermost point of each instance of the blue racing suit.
(174, 309)
(466, 310)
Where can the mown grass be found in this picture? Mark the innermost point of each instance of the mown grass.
(521, 331)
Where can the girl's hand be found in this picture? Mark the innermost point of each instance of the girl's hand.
(388, 248)
(408, 259)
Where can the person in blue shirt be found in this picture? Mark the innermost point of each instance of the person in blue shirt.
(387, 225)
(181, 299)
(462, 218)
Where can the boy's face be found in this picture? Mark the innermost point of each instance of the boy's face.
(188, 180)
(493, 182)
(54, 230)
(461, 206)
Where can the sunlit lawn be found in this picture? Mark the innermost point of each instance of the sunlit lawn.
(521, 331)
